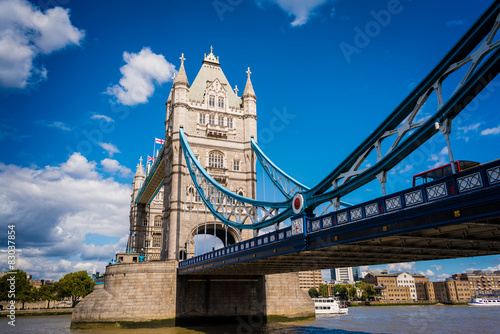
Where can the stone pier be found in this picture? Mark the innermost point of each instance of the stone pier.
(150, 294)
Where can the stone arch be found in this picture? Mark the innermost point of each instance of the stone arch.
(233, 234)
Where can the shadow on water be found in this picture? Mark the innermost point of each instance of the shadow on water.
(272, 328)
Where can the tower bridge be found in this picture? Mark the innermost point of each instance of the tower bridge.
(203, 181)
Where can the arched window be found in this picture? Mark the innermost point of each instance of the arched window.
(202, 118)
(211, 119)
(220, 103)
(158, 221)
(216, 159)
(211, 101)
(221, 121)
(230, 123)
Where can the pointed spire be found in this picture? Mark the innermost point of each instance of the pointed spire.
(249, 92)
(181, 76)
(140, 170)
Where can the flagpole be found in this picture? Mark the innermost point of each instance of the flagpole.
(154, 149)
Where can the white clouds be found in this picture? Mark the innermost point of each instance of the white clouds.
(438, 267)
(491, 131)
(140, 72)
(26, 32)
(428, 273)
(401, 267)
(112, 166)
(110, 148)
(401, 169)
(439, 159)
(53, 209)
(472, 127)
(58, 125)
(104, 117)
(442, 277)
(302, 10)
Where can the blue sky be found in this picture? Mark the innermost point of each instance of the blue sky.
(83, 86)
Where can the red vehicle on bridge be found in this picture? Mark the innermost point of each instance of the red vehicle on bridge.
(442, 171)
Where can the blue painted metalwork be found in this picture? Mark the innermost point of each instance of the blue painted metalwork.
(286, 184)
(231, 209)
(158, 161)
(469, 181)
(487, 24)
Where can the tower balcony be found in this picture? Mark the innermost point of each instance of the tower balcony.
(217, 131)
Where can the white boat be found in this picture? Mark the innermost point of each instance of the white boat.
(483, 301)
(329, 306)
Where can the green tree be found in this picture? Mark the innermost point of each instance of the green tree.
(75, 285)
(22, 289)
(368, 291)
(47, 292)
(340, 291)
(323, 290)
(352, 292)
(313, 292)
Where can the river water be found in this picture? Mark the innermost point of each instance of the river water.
(388, 319)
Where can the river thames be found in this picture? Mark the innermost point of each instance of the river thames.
(388, 319)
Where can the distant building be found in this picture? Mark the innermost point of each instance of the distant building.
(480, 283)
(416, 287)
(391, 287)
(344, 275)
(420, 287)
(406, 280)
(309, 279)
(39, 282)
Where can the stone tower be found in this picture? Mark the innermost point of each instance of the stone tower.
(218, 125)
(145, 221)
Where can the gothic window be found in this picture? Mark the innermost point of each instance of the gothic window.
(193, 195)
(221, 121)
(236, 165)
(146, 243)
(230, 123)
(221, 102)
(158, 221)
(157, 240)
(211, 119)
(216, 160)
(145, 222)
(241, 193)
(211, 101)
(202, 118)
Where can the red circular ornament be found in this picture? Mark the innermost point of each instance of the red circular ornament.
(296, 203)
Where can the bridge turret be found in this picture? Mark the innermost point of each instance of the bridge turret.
(138, 179)
(180, 97)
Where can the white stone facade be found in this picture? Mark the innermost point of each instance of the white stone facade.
(218, 125)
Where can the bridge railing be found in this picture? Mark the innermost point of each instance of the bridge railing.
(469, 180)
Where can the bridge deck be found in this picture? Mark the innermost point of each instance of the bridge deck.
(458, 216)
